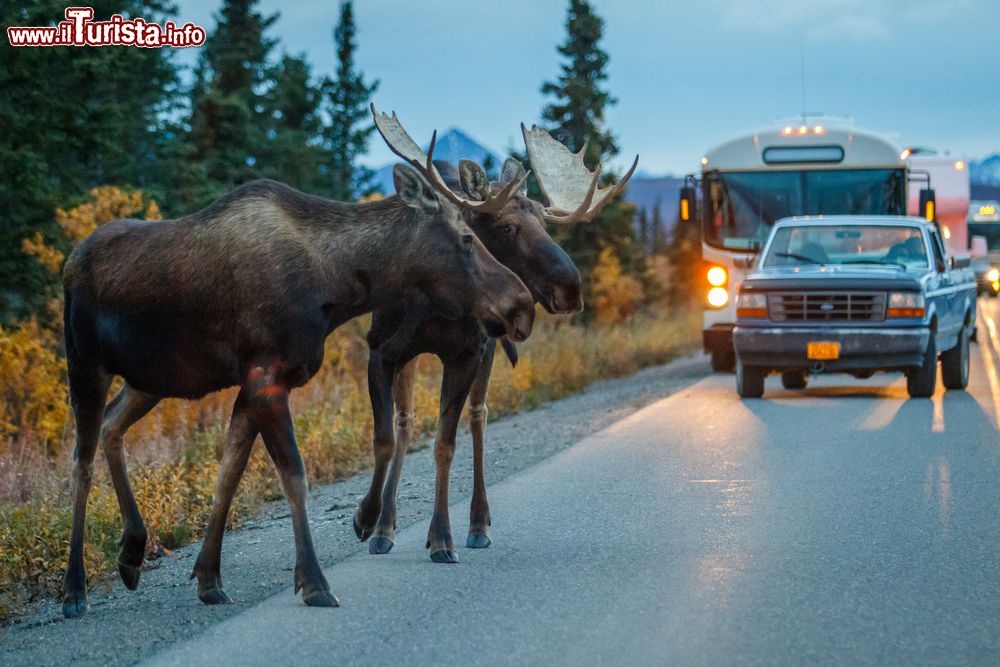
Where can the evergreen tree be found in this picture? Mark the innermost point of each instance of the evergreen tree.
(229, 113)
(644, 230)
(659, 234)
(576, 117)
(71, 119)
(350, 126)
(294, 153)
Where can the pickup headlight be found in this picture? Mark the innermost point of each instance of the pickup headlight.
(906, 304)
(751, 305)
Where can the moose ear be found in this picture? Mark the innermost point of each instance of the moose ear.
(512, 170)
(413, 189)
(473, 180)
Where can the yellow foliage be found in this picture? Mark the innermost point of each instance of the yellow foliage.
(108, 202)
(33, 394)
(614, 294)
(50, 258)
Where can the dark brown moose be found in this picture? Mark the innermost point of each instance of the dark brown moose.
(513, 229)
(244, 293)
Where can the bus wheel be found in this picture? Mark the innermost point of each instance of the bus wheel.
(723, 360)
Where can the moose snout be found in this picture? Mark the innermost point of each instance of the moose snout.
(520, 320)
(565, 295)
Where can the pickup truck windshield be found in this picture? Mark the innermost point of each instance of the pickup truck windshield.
(870, 245)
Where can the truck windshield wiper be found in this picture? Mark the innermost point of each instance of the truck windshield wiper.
(875, 261)
(801, 258)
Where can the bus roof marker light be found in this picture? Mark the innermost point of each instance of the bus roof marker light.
(818, 129)
(787, 130)
(704, 160)
(959, 165)
(803, 130)
(905, 154)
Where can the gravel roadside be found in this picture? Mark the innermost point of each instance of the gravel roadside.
(124, 627)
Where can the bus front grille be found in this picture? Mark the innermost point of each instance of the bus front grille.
(826, 306)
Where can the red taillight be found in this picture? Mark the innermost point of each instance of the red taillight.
(752, 313)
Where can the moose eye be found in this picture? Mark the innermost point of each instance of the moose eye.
(467, 239)
(506, 230)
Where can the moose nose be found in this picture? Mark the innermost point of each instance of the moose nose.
(519, 323)
(566, 297)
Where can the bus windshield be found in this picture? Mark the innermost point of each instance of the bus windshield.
(740, 207)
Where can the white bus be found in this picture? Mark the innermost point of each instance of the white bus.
(817, 165)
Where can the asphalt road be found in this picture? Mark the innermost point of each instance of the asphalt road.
(840, 525)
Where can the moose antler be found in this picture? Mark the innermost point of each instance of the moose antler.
(400, 143)
(570, 188)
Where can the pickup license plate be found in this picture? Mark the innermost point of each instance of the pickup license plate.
(823, 351)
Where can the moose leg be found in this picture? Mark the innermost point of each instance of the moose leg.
(275, 421)
(380, 378)
(458, 376)
(88, 391)
(127, 407)
(384, 536)
(479, 511)
(239, 444)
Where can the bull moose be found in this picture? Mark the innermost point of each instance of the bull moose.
(244, 293)
(513, 229)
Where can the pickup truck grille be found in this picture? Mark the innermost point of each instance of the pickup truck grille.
(826, 306)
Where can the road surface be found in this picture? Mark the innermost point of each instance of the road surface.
(841, 525)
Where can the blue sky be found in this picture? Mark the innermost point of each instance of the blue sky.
(687, 75)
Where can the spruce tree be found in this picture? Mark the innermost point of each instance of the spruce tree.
(293, 154)
(229, 112)
(350, 125)
(576, 117)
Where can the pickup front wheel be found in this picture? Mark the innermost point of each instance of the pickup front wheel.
(749, 380)
(955, 363)
(922, 381)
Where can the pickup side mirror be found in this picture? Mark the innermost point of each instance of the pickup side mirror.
(960, 261)
(687, 204)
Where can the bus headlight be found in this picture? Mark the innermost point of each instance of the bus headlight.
(993, 275)
(717, 276)
(751, 305)
(718, 297)
(906, 304)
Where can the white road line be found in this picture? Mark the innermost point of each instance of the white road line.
(991, 371)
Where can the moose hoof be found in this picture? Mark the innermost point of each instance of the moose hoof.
(363, 532)
(320, 599)
(214, 595)
(380, 544)
(130, 575)
(477, 541)
(75, 605)
(444, 556)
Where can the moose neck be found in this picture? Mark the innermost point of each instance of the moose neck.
(371, 250)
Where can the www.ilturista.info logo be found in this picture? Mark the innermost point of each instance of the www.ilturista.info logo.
(79, 30)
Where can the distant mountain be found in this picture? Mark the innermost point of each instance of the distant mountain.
(451, 146)
(985, 171)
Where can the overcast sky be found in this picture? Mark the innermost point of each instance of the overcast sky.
(687, 75)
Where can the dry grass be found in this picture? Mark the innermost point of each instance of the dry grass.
(174, 452)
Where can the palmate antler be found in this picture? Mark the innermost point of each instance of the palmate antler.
(404, 146)
(570, 188)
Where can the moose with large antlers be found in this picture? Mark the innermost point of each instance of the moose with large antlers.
(244, 293)
(512, 228)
